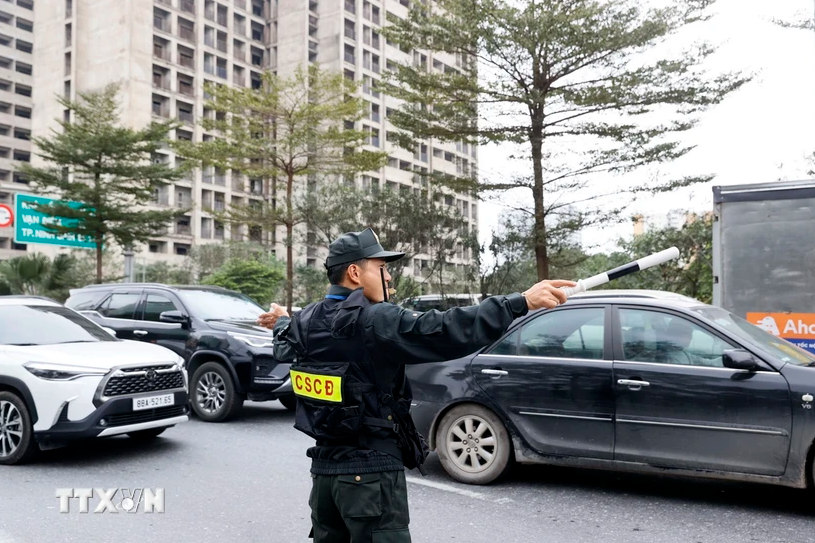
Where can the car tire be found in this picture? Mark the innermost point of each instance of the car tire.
(146, 434)
(473, 445)
(289, 402)
(17, 444)
(212, 393)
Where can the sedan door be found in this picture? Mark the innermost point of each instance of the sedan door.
(679, 407)
(552, 376)
(149, 327)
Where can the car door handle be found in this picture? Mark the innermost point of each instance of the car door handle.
(633, 383)
(495, 372)
(140, 333)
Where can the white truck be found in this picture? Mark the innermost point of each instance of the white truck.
(764, 256)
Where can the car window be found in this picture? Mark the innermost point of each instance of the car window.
(156, 305)
(654, 336)
(120, 306)
(507, 346)
(82, 301)
(46, 325)
(572, 333)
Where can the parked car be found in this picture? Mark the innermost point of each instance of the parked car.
(227, 356)
(62, 378)
(625, 380)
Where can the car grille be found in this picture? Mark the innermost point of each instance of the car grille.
(128, 383)
(148, 415)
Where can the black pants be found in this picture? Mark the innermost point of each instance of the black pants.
(365, 508)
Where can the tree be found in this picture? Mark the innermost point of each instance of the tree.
(204, 260)
(258, 280)
(162, 272)
(511, 263)
(284, 131)
(106, 169)
(554, 76)
(690, 275)
(312, 285)
(36, 274)
(413, 223)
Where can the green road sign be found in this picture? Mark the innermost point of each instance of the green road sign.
(30, 225)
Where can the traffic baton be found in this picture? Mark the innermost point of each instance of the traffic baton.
(632, 267)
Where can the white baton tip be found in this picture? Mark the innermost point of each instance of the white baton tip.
(658, 258)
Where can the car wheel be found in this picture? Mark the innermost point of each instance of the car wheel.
(16, 433)
(213, 395)
(473, 444)
(146, 434)
(289, 402)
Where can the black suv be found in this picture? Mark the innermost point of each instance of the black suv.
(227, 356)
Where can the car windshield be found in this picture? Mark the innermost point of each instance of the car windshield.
(213, 305)
(46, 325)
(775, 346)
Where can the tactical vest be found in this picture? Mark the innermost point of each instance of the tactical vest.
(342, 398)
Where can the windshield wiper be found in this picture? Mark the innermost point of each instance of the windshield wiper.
(75, 341)
(22, 344)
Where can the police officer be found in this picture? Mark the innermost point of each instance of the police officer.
(349, 353)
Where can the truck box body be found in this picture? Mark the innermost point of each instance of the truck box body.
(764, 256)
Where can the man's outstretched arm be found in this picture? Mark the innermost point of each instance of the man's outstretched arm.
(410, 337)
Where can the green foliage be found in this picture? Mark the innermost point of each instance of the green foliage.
(311, 285)
(284, 131)
(691, 275)
(36, 274)
(203, 260)
(584, 87)
(258, 280)
(107, 169)
(162, 272)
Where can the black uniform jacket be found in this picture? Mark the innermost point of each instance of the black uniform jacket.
(399, 336)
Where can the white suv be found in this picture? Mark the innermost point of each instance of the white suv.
(63, 377)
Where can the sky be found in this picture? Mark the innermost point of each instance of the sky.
(763, 132)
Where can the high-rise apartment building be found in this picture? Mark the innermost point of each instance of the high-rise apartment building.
(162, 52)
(16, 103)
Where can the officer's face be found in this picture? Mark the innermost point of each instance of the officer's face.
(368, 276)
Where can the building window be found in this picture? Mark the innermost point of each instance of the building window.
(24, 46)
(69, 8)
(24, 68)
(22, 90)
(68, 34)
(22, 24)
(67, 63)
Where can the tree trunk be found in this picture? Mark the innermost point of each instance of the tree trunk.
(541, 256)
(99, 259)
(289, 242)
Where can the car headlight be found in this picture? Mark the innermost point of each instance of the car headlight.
(253, 341)
(61, 372)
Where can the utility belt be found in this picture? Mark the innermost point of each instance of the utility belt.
(331, 410)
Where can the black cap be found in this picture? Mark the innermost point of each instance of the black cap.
(353, 246)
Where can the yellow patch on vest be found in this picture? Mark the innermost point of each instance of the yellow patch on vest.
(319, 387)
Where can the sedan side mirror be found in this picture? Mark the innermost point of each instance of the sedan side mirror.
(175, 316)
(110, 331)
(739, 359)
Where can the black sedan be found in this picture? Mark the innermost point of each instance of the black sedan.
(636, 381)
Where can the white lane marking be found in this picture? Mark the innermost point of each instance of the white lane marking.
(456, 490)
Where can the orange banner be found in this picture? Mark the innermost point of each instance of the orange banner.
(786, 325)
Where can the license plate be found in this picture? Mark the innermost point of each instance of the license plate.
(151, 402)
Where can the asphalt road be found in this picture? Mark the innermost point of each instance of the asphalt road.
(247, 481)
